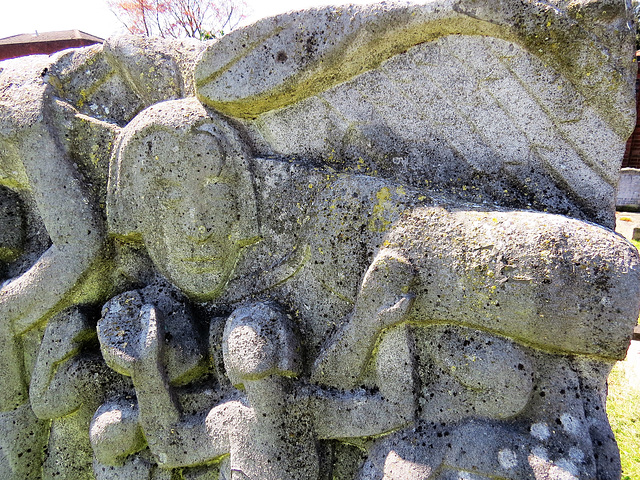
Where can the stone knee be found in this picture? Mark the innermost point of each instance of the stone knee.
(115, 432)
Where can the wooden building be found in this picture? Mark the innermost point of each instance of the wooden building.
(44, 43)
(632, 152)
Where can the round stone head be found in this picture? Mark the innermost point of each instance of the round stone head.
(259, 341)
(180, 182)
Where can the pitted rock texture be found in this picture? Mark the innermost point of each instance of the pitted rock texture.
(348, 243)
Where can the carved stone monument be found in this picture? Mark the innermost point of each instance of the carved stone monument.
(348, 243)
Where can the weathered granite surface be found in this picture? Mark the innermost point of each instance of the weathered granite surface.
(348, 243)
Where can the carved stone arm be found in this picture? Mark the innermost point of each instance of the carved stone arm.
(74, 225)
(175, 440)
(363, 413)
(383, 301)
(77, 232)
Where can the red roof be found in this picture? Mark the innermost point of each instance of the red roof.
(49, 37)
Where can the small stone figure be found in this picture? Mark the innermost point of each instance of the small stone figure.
(271, 426)
(70, 380)
(118, 442)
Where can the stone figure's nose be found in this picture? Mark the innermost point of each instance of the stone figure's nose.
(200, 234)
(198, 225)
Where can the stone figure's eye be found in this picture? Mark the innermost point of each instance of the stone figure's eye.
(205, 152)
(214, 181)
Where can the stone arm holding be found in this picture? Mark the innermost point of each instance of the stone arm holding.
(363, 412)
(176, 441)
(77, 233)
(384, 300)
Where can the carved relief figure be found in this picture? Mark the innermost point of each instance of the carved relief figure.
(365, 218)
(117, 439)
(270, 431)
(270, 427)
(415, 262)
(76, 230)
(58, 117)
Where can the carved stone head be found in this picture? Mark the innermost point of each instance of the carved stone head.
(180, 181)
(258, 341)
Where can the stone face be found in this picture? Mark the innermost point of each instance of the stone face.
(358, 243)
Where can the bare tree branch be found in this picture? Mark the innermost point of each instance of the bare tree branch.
(202, 19)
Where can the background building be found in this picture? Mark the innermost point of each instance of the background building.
(44, 43)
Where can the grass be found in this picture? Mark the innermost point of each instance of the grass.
(623, 409)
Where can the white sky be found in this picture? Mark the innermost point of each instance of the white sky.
(94, 17)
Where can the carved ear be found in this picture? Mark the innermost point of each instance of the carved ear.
(248, 229)
(237, 160)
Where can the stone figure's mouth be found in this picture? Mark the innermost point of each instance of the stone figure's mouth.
(200, 240)
(202, 264)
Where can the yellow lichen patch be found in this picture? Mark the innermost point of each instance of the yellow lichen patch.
(83, 98)
(384, 194)
(377, 221)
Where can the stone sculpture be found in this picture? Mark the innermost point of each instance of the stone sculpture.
(348, 243)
